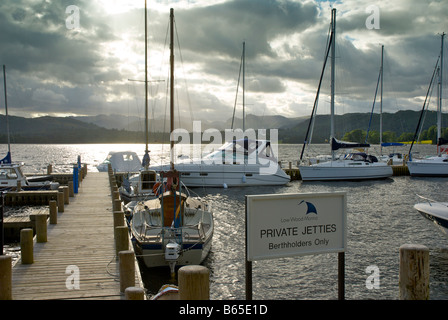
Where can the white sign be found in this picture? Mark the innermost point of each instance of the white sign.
(285, 225)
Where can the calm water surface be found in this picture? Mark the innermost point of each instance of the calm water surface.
(380, 218)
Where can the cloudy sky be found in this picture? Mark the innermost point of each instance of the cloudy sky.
(59, 65)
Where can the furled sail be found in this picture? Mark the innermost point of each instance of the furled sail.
(336, 145)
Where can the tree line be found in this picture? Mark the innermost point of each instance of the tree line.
(358, 135)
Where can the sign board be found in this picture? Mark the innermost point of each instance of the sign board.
(285, 225)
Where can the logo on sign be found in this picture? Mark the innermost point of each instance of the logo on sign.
(310, 208)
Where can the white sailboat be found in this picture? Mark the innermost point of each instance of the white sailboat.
(354, 166)
(434, 166)
(174, 228)
(238, 163)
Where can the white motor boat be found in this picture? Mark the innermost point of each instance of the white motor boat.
(241, 163)
(436, 212)
(121, 161)
(11, 175)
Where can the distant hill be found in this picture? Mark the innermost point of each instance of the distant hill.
(133, 123)
(399, 122)
(100, 129)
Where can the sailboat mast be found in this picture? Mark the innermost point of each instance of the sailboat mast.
(439, 111)
(172, 86)
(146, 157)
(381, 103)
(244, 77)
(6, 109)
(333, 29)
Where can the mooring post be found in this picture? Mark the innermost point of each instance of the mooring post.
(5, 277)
(60, 200)
(194, 283)
(127, 269)
(41, 227)
(414, 272)
(53, 212)
(121, 239)
(27, 246)
(71, 191)
(134, 293)
(75, 178)
(118, 219)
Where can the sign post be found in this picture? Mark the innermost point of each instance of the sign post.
(287, 225)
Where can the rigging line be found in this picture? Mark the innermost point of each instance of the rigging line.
(237, 87)
(373, 106)
(182, 63)
(424, 115)
(423, 109)
(317, 95)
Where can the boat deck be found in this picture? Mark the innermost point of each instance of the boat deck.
(80, 246)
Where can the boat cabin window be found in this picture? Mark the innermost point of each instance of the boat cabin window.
(148, 179)
(8, 174)
(128, 157)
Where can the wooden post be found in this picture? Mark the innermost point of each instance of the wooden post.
(117, 205)
(60, 201)
(66, 194)
(49, 169)
(414, 272)
(118, 219)
(121, 239)
(41, 227)
(194, 283)
(127, 269)
(19, 185)
(134, 293)
(5, 277)
(26, 244)
(53, 212)
(71, 190)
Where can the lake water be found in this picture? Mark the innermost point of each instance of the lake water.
(380, 218)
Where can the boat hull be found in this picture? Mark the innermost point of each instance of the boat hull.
(436, 212)
(434, 167)
(338, 170)
(153, 255)
(218, 175)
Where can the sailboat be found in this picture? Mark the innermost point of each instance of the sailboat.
(353, 166)
(174, 229)
(434, 166)
(238, 163)
(140, 186)
(11, 174)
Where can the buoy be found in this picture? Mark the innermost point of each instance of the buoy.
(224, 185)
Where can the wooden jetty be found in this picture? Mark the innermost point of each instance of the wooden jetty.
(79, 247)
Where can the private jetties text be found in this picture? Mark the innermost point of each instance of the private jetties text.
(294, 231)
